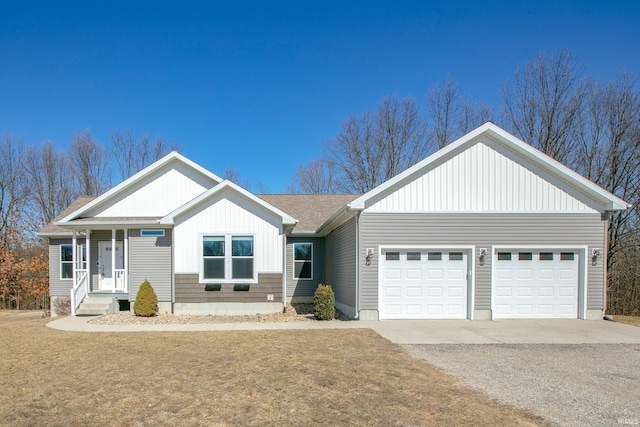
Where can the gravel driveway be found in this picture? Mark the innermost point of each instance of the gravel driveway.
(571, 385)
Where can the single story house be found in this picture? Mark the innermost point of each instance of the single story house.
(485, 228)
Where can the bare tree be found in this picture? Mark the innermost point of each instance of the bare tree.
(316, 177)
(608, 153)
(233, 175)
(132, 154)
(51, 182)
(542, 103)
(373, 147)
(90, 163)
(14, 189)
(451, 116)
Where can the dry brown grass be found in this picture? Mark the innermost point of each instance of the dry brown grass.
(629, 320)
(307, 377)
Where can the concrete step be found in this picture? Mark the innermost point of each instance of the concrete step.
(96, 306)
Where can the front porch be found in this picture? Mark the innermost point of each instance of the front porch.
(100, 265)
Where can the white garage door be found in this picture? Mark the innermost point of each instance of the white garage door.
(535, 284)
(423, 284)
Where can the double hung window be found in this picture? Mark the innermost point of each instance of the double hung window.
(303, 261)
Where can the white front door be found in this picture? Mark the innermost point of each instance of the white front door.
(105, 266)
(423, 284)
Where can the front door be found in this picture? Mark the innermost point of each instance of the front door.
(105, 266)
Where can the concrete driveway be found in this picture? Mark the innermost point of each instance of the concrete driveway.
(526, 331)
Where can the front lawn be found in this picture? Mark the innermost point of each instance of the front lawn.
(291, 377)
(629, 320)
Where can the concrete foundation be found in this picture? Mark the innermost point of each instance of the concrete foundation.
(481, 314)
(228, 308)
(594, 315)
(369, 315)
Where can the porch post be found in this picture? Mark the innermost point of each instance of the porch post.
(87, 242)
(113, 258)
(74, 257)
(126, 259)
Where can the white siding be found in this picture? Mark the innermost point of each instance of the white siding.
(228, 213)
(157, 195)
(484, 177)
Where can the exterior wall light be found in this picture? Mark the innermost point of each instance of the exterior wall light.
(483, 255)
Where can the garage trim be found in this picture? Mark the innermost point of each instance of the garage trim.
(471, 279)
(581, 251)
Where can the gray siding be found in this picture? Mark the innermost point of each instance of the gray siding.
(340, 256)
(150, 259)
(189, 290)
(57, 287)
(302, 287)
(481, 230)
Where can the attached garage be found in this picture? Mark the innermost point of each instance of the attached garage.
(536, 283)
(424, 283)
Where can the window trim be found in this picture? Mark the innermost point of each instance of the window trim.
(156, 232)
(61, 262)
(302, 260)
(228, 258)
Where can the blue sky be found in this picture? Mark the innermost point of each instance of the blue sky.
(261, 86)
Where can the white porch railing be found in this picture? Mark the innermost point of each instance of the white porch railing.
(119, 275)
(80, 290)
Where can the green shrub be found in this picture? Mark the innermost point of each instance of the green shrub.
(146, 304)
(324, 301)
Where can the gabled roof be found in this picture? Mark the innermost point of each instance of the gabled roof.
(227, 185)
(53, 230)
(173, 156)
(609, 201)
(311, 210)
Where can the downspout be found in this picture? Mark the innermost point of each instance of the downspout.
(356, 215)
(284, 271)
(605, 278)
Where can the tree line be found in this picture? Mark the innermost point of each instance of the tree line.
(591, 126)
(38, 182)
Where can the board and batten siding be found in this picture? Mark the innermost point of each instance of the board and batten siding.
(158, 194)
(189, 290)
(484, 177)
(305, 287)
(228, 213)
(150, 259)
(340, 262)
(58, 287)
(482, 230)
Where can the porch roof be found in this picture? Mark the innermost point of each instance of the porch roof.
(54, 230)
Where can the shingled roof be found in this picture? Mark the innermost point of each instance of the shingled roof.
(311, 210)
(52, 229)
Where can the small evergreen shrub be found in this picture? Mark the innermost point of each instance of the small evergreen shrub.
(324, 301)
(146, 304)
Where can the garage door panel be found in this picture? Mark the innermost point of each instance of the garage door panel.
(435, 274)
(423, 284)
(545, 284)
(393, 273)
(457, 274)
(456, 291)
(546, 291)
(414, 292)
(524, 273)
(392, 291)
(434, 291)
(566, 291)
(546, 274)
(504, 273)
